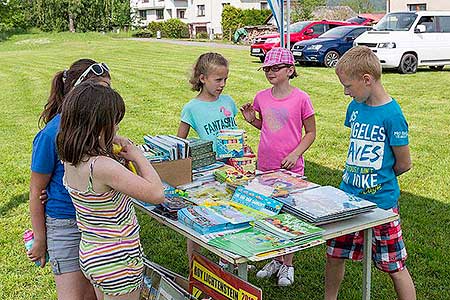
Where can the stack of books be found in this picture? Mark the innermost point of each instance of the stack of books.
(286, 226)
(201, 152)
(245, 206)
(165, 147)
(204, 220)
(325, 204)
(230, 143)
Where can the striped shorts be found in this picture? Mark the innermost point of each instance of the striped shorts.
(388, 249)
(114, 268)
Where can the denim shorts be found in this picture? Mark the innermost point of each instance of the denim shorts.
(63, 245)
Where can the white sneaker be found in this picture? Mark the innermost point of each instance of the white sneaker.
(269, 269)
(285, 275)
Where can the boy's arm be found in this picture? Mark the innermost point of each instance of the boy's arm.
(38, 182)
(183, 130)
(402, 159)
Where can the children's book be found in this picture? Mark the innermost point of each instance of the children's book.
(199, 146)
(156, 143)
(325, 204)
(204, 220)
(288, 226)
(230, 143)
(208, 192)
(251, 242)
(261, 205)
(279, 183)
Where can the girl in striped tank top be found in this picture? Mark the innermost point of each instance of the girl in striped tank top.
(101, 187)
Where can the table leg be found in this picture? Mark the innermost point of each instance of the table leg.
(367, 263)
(242, 271)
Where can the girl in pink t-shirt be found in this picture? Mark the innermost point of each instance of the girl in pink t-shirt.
(283, 111)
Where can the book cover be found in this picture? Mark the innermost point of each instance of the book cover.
(288, 226)
(326, 203)
(230, 143)
(280, 183)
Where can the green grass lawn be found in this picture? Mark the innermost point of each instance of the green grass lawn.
(152, 78)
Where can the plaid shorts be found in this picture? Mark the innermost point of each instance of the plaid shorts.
(388, 248)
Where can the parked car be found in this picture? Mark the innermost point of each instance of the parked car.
(300, 31)
(360, 20)
(329, 47)
(406, 40)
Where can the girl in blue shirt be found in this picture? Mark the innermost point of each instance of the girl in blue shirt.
(54, 224)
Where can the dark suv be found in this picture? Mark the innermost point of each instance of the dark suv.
(300, 31)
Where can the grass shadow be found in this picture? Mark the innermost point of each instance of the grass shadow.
(13, 203)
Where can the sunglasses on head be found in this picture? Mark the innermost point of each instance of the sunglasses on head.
(275, 68)
(97, 68)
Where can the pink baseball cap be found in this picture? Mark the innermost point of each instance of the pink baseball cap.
(278, 56)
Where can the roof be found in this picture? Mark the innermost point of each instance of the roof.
(374, 17)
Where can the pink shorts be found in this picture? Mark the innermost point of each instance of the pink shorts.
(388, 249)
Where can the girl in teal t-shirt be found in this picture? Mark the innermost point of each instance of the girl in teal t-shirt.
(210, 111)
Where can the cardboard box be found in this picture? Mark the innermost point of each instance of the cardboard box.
(175, 172)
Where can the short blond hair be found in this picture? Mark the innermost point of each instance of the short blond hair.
(358, 61)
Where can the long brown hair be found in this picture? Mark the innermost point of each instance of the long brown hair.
(62, 83)
(89, 115)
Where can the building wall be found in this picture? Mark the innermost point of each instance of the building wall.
(211, 18)
(402, 5)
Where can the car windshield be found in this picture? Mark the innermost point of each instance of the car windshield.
(357, 20)
(335, 33)
(396, 22)
(297, 27)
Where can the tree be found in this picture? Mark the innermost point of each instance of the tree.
(359, 6)
(303, 9)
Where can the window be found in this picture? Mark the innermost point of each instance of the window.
(159, 14)
(318, 28)
(145, 1)
(143, 14)
(416, 7)
(181, 13)
(169, 12)
(200, 10)
(444, 24)
(264, 5)
(429, 22)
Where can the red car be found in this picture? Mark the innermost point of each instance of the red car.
(304, 30)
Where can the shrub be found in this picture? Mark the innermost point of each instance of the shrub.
(202, 35)
(175, 28)
(144, 34)
(234, 18)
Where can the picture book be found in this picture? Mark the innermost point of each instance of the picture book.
(279, 183)
(230, 143)
(288, 226)
(263, 205)
(325, 204)
(204, 220)
(250, 242)
(208, 192)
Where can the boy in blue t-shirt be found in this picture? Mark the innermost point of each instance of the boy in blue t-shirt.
(377, 154)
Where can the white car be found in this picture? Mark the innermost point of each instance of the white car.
(406, 40)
